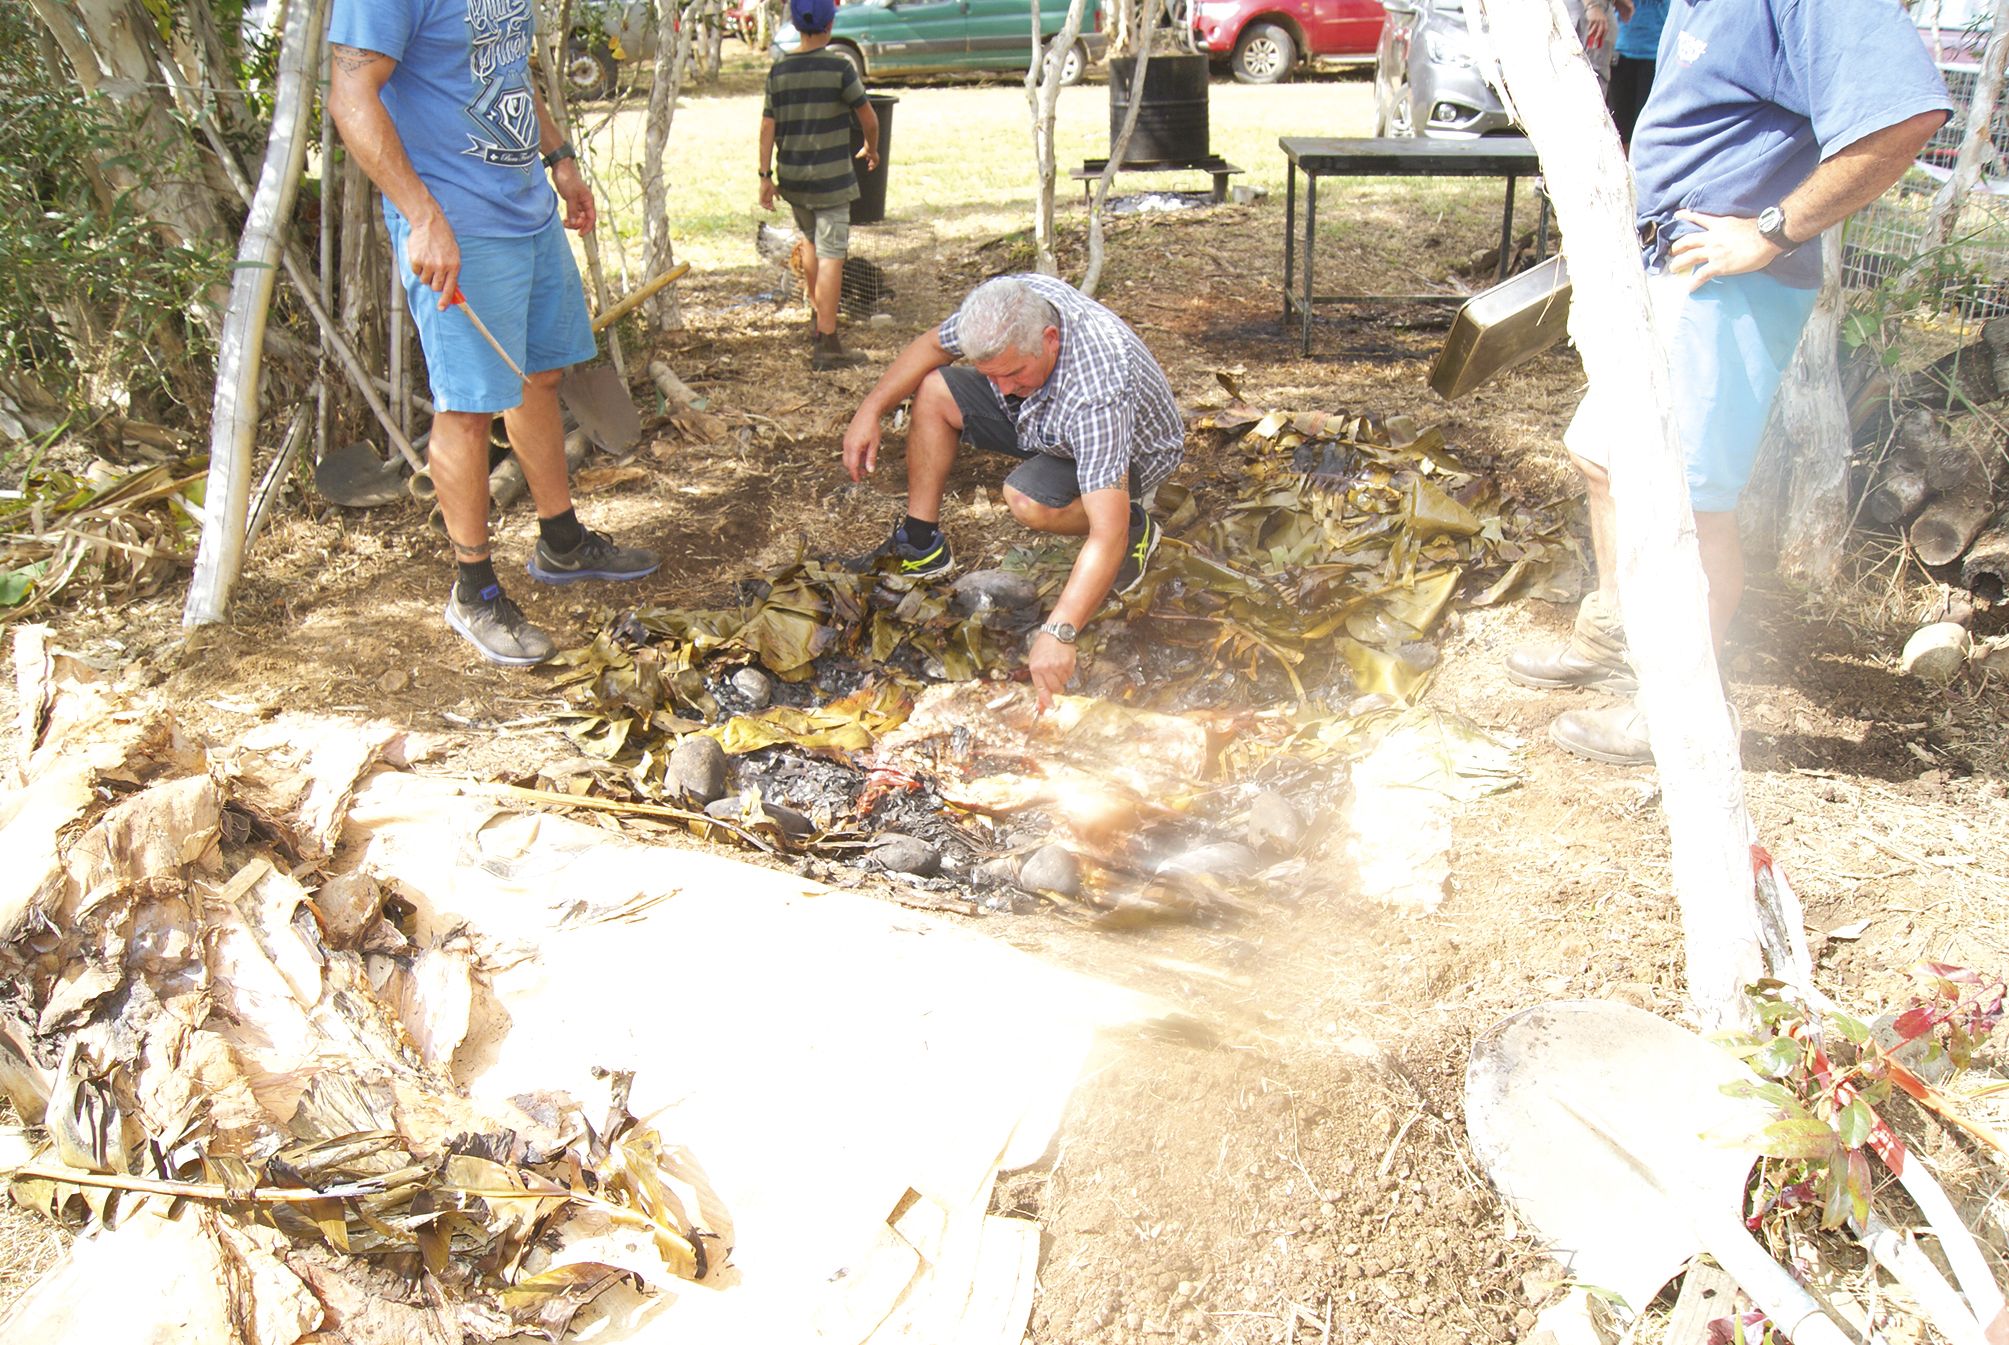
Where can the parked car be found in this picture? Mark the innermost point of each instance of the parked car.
(1263, 41)
(604, 34)
(886, 38)
(1430, 77)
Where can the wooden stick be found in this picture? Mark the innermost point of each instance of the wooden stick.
(640, 295)
(1897, 497)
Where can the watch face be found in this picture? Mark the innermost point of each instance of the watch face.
(1060, 631)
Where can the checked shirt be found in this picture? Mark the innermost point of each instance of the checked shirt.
(1106, 404)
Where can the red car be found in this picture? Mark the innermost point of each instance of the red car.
(1264, 40)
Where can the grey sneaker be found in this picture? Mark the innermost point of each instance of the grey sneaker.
(596, 557)
(933, 563)
(1594, 655)
(1137, 557)
(498, 629)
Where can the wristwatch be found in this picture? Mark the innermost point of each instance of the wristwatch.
(564, 151)
(767, 172)
(1061, 631)
(1772, 228)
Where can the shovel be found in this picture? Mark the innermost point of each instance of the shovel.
(596, 395)
(1607, 1128)
(353, 475)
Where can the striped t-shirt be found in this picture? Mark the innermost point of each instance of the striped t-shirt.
(810, 96)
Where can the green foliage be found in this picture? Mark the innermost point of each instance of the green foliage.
(91, 292)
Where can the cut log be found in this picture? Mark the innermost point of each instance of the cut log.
(1944, 529)
(1958, 380)
(1936, 653)
(1985, 572)
(1897, 497)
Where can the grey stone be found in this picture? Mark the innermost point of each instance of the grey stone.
(755, 685)
(1223, 859)
(348, 903)
(1242, 194)
(1274, 826)
(697, 768)
(992, 590)
(999, 872)
(1051, 868)
(900, 853)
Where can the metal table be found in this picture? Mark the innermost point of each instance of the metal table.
(1510, 157)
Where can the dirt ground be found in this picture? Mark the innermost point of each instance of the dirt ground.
(1299, 1153)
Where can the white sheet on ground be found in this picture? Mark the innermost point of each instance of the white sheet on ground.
(820, 1054)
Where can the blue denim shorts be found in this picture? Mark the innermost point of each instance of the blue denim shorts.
(527, 291)
(1728, 345)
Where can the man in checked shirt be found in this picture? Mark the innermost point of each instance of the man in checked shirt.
(1061, 383)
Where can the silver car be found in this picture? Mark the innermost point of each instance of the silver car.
(1430, 75)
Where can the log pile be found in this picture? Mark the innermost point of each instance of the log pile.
(1944, 477)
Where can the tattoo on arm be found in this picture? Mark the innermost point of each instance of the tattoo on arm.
(356, 58)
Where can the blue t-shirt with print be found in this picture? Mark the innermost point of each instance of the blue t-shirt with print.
(1639, 36)
(1750, 96)
(462, 102)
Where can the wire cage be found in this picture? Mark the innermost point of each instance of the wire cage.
(1891, 242)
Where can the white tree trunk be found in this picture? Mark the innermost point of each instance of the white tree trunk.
(561, 112)
(1092, 278)
(1977, 145)
(1660, 575)
(234, 416)
(673, 51)
(1810, 424)
(1042, 92)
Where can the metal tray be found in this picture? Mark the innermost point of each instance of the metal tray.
(1506, 325)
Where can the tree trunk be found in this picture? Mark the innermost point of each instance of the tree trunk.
(1976, 146)
(1556, 97)
(1092, 278)
(1042, 93)
(234, 417)
(561, 112)
(1810, 421)
(672, 54)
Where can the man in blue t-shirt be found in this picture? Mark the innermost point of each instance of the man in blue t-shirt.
(1769, 121)
(435, 100)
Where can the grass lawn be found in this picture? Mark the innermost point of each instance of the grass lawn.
(961, 160)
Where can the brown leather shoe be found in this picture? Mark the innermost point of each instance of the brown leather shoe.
(1615, 733)
(829, 353)
(1594, 655)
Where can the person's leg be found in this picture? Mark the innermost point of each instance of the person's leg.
(558, 334)
(934, 432)
(1603, 527)
(1723, 566)
(829, 284)
(470, 384)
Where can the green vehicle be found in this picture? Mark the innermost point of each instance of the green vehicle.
(887, 38)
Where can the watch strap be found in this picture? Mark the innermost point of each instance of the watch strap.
(1060, 631)
(563, 151)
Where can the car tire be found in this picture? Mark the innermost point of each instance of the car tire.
(1265, 54)
(590, 71)
(852, 57)
(1072, 67)
(1392, 117)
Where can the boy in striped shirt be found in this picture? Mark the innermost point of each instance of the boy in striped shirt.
(805, 152)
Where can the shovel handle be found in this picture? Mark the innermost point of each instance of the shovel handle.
(487, 335)
(1784, 1299)
(628, 302)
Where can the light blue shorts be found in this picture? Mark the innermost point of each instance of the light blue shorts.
(527, 291)
(1728, 345)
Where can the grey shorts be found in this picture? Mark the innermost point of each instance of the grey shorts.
(1042, 477)
(829, 228)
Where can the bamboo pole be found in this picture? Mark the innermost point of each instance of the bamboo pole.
(324, 407)
(1556, 97)
(240, 351)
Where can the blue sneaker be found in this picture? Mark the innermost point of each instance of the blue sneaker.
(596, 557)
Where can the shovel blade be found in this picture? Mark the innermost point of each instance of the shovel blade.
(354, 476)
(599, 402)
(1609, 1131)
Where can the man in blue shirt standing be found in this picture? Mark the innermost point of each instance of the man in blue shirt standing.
(1769, 121)
(435, 100)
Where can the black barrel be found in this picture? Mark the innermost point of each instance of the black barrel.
(870, 207)
(1172, 121)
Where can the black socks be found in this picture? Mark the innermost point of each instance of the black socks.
(920, 533)
(476, 582)
(561, 532)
